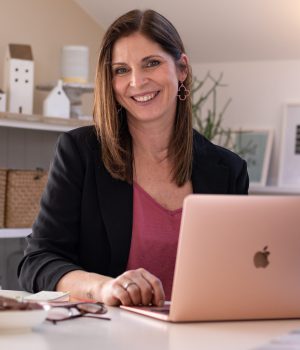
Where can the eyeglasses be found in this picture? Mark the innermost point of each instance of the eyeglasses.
(74, 310)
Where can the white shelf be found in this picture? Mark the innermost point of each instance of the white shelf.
(274, 190)
(38, 122)
(14, 232)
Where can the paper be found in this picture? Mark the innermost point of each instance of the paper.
(48, 296)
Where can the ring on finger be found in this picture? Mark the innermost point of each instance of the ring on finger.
(128, 284)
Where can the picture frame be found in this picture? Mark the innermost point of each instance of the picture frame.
(255, 147)
(289, 161)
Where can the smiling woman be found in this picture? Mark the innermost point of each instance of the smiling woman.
(145, 60)
(109, 221)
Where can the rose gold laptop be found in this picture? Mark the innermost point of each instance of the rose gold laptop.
(238, 258)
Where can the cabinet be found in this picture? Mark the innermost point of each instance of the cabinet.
(26, 142)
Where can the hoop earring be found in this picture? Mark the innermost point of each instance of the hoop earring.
(183, 92)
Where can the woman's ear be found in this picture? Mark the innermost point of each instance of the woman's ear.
(183, 67)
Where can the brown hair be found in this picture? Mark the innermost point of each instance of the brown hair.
(110, 121)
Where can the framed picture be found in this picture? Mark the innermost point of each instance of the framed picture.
(255, 147)
(289, 163)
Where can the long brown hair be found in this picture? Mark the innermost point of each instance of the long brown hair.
(110, 120)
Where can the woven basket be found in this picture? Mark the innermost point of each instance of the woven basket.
(23, 194)
(3, 173)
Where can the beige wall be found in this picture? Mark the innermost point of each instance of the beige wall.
(47, 25)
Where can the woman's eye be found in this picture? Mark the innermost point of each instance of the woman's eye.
(153, 63)
(120, 70)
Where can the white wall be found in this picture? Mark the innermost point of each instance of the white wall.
(259, 91)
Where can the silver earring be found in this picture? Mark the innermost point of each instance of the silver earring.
(183, 92)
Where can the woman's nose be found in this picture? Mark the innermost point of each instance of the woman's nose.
(138, 78)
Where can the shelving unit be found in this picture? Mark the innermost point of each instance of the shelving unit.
(26, 142)
(37, 123)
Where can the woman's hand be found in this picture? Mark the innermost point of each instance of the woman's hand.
(133, 287)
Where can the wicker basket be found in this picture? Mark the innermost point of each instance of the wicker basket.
(23, 194)
(3, 173)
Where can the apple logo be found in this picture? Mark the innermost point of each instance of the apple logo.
(261, 258)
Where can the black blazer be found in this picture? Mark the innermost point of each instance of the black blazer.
(85, 220)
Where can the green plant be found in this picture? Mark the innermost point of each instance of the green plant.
(207, 117)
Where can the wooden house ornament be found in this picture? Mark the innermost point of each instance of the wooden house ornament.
(57, 103)
(19, 78)
(2, 101)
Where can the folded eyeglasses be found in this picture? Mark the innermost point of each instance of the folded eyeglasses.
(69, 311)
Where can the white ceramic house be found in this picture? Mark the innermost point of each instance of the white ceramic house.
(19, 78)
(2, 101)
(57, 103)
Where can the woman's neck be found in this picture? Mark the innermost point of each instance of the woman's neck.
(150, 140)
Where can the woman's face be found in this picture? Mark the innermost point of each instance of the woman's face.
(145, 79)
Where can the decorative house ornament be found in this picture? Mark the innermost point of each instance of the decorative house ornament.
(75, 64)
(2, 101)
(19, 78)
(57, 103)
(74, 91)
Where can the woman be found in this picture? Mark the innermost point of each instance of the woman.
(109, 220)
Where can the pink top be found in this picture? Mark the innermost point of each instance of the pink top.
(154, 241)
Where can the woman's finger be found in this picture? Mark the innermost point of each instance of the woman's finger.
(158, 295)
(122, 295)
(145, 289)
(134, 291)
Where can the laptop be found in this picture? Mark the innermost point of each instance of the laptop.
(238, 258)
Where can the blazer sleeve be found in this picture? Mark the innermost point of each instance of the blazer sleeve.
(52, 247)
(242, 180)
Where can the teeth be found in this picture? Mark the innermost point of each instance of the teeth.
(144, 98)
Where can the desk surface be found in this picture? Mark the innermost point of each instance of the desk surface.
(135, 332)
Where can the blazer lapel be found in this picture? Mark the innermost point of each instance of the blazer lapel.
(116, 203)
(209, 175)
(210, 179)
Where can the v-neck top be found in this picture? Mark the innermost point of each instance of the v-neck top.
(154, 240)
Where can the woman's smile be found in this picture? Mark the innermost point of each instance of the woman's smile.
(146, 97)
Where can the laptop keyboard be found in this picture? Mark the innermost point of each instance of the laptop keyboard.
(161, 310)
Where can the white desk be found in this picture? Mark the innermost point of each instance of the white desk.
(133, 332)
